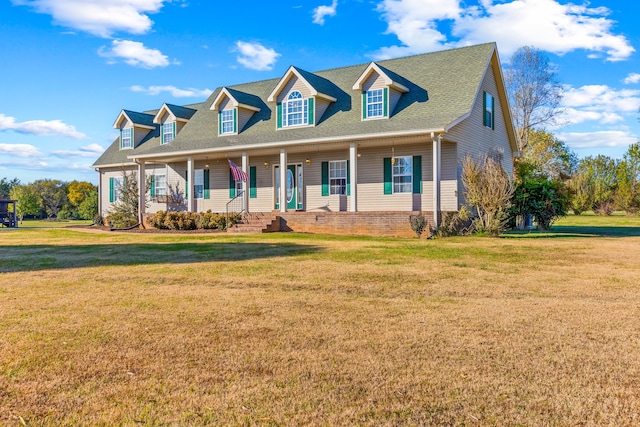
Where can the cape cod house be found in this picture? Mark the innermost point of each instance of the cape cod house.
(356, 150)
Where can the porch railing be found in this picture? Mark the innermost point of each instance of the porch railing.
(235, 205)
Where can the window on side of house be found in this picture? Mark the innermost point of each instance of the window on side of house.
(167, 132)
(227, 119)
(117, 188)
(294, 110)
(488, 119)
(375, 103)
(198, 184)
(338, 177)
(126, 138)
(402, 174)
(160, 184)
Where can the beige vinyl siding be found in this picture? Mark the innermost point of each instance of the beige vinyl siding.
(321, 106)
(394, 97)
(371, 195)
(179, 126)
(265, 191)
(448, 177)
(475, 139)
(107, 206)
(374, 81)
(155, 170)
(294, 83)
(139, 134)
(244, 116)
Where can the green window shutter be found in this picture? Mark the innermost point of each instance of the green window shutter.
(364, 105)
(484, 108)
(186, 184)
(493, 116)
(219, 122)
(120, 141)
(112, 193)
(325, 178)
(162, 134)
(207, 194)
(385, 101)
(232, 185)
(175, 133)
(417, 174)
(253, 190)
(312, 110)
(279, 115)
(153, 185)
(348, 179)
(388, 178)
(235, 120)
(133, 138)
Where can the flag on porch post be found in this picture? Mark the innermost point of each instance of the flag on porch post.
(237, 172)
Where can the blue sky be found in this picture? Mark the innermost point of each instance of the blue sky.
(69, 66)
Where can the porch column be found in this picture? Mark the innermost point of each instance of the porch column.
(245, 186)
(283, 180)
(189, 186)
(142, 192)
(353, 173)
(436, 179)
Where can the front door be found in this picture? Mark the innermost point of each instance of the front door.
(293, 182)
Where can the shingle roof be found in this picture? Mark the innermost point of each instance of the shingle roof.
(246, 98)
(442, 88)
(140, 118)
(181, 112)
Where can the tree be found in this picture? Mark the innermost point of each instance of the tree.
(538, 195)
(488, 188)
(53, 195)
(88, 209)
(601, 174)
(549, 156)
(627, 195)
(6, 186)
(580, 193)
(124, 212)
(534, 92)
(28, 200)
(77, 194)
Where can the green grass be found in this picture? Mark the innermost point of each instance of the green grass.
(588, 225)
(36, 223)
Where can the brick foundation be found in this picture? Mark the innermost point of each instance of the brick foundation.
(392, 224)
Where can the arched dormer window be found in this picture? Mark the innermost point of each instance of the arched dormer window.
(295, 110)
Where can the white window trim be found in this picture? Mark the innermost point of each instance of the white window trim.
(381, 103)
(333, 179)
(196, 184)
(226, 121)
(304, 102)
(488, 109)
(118, 181)
(157, 187)
(165, 133)
(129, 138)
(395, 175)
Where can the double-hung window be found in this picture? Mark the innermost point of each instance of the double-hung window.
(198, 184)
(160, 186)
(375, 103)
(294, 110)
(402, 174)
(227, 126)
(167, 132)
(117, 188)
(338, 177)
(488, 118)
(126, 138)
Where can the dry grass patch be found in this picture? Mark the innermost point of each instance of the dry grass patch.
(316, 330)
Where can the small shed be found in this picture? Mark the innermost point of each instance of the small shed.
(8, 213)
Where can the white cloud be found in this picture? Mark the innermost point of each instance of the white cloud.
(90, 151)
(601, 98)
(99, 17)
(40, 127)
(134, 53)
(320, 12)
(255, 56)
(632, 78)
(20, 150)
(609, 138)
(174, 91)
(546, 24)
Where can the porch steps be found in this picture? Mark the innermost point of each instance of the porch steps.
(257, 223)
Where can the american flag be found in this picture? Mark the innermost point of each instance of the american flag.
(237, 172)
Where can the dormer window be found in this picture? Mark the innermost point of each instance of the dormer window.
(227, 121)
(126, 138)
(294, 110)
(168, 132)
(375, 105)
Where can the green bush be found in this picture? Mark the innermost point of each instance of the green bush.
(120, 220)
(418, 224)
(191, 220)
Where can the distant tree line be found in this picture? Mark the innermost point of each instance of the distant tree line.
(52, 198)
